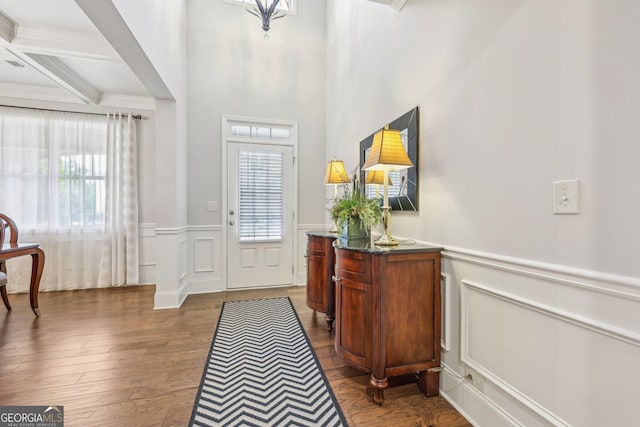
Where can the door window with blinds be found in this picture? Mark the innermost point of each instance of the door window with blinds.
(261, 188)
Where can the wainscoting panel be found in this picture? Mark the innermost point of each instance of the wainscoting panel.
(171, 289)
(537, 345)
(205, 254)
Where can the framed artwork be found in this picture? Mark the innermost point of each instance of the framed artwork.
(403, 191)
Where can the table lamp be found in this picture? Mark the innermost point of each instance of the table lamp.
(336, 174)
(377, 178)
(387, 154)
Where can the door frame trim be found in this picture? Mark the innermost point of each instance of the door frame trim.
(226, 122)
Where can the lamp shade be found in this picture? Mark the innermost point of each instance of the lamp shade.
(376, 177)
(336, 173)
(387, 152)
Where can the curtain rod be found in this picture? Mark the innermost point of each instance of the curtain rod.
(134, 116)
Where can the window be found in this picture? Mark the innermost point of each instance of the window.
(261, 175)
(52, 169)
(81, 185)
(246, 131)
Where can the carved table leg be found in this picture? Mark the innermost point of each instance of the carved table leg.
(379, 385)
(329, 320)
(37, 265)
(429, 382)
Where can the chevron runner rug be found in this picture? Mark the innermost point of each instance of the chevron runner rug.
(262, 371)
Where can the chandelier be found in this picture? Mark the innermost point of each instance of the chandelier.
(267, 10)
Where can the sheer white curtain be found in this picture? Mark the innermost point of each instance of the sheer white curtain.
(119, 264)
(53, 183)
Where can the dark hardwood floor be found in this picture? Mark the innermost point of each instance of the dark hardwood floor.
(111, 360)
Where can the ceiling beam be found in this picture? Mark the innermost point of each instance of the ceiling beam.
(107, 19)
(64, 45)
(8, 28)
(61, 75)
(396, 4)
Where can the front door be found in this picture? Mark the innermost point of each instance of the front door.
(260, 215)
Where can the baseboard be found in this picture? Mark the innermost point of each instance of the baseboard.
(173, 299)
(205, 286)
(486, 412)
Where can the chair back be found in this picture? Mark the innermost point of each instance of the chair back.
(8, 229)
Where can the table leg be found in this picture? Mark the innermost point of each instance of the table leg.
(429, 382)
(3, 289)
(329, 320)
(5, 298)
(37, 265)
(380, 385)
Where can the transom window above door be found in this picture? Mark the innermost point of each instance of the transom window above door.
(246, 131)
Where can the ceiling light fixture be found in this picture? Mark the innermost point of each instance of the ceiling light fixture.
(267, 10)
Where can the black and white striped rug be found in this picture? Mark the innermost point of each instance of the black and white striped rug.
(262, 371)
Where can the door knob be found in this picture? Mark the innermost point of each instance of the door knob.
(231, 222)
(231, 212)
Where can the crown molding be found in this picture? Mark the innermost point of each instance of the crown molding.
(40, 93)
(115, 100)
(69, 45)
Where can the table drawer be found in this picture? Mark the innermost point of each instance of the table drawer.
(353, 265)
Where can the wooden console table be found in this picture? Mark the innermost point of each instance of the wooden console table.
(388, 312)
(320, 287)
(13, 250)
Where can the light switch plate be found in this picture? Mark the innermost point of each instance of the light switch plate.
(566, 197)
(212, 206)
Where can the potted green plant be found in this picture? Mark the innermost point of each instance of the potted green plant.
(354, 214)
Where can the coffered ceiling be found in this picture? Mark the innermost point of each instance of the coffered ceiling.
(51, 50)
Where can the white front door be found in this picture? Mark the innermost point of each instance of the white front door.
(260, 215)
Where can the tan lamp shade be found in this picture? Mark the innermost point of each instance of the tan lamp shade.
(336, 173)
(376, 177)
(387, 152)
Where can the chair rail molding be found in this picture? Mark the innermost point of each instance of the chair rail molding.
(624, 286)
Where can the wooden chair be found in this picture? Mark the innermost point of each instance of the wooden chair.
(8, 229)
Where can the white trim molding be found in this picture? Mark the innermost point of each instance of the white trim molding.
(446, 310)
(617, 285)
(547, 328)
(171, 231)
(204, 264)
(465, 357)
(583, 322)
(454, 388)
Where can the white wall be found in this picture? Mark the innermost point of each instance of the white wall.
(233, 70)
(513, 95)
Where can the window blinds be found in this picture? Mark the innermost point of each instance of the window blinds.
(261, 187)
